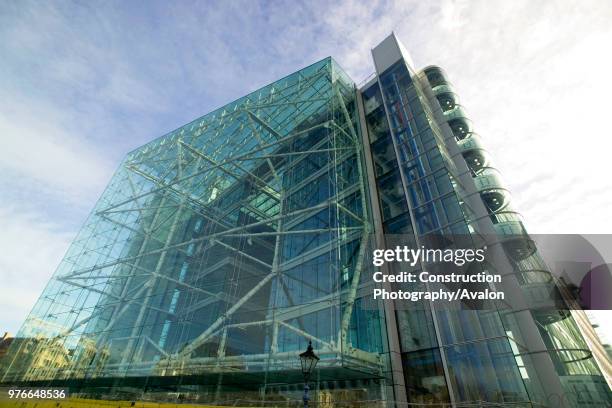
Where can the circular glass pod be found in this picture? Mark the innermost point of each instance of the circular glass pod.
(547, 316)
(473, 142)
(448, 101)
(543, 296)
(435, 76)
(476, 157)
(460, 127)
(455, 113)
(477, 160)
(530, 276)
(514, 239)
(494, 200)
(494, 196)
(440, 89)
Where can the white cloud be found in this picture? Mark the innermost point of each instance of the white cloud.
(44, 155)
(31, 247)
(452, 17)
(538, 120)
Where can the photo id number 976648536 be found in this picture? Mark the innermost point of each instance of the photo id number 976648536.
(37, 393)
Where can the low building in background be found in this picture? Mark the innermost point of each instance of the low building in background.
(5, 342)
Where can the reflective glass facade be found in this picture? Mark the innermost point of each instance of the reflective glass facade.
(219, 250)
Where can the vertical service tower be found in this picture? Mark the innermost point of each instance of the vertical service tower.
(435, 182)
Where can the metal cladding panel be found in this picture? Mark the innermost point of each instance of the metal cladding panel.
(388, 52)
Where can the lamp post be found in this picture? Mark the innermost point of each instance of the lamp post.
(309, 360)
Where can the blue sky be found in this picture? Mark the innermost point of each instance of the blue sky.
(82, 83)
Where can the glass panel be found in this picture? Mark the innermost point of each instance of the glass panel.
(425, 382)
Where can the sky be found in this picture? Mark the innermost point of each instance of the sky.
(84, 82)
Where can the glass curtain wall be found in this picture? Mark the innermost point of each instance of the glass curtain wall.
(216, 253)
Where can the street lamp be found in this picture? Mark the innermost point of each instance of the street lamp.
(309, 360)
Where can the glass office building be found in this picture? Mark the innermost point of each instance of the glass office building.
(218, 251)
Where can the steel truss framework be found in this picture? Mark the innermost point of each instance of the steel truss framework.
(223, 246)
